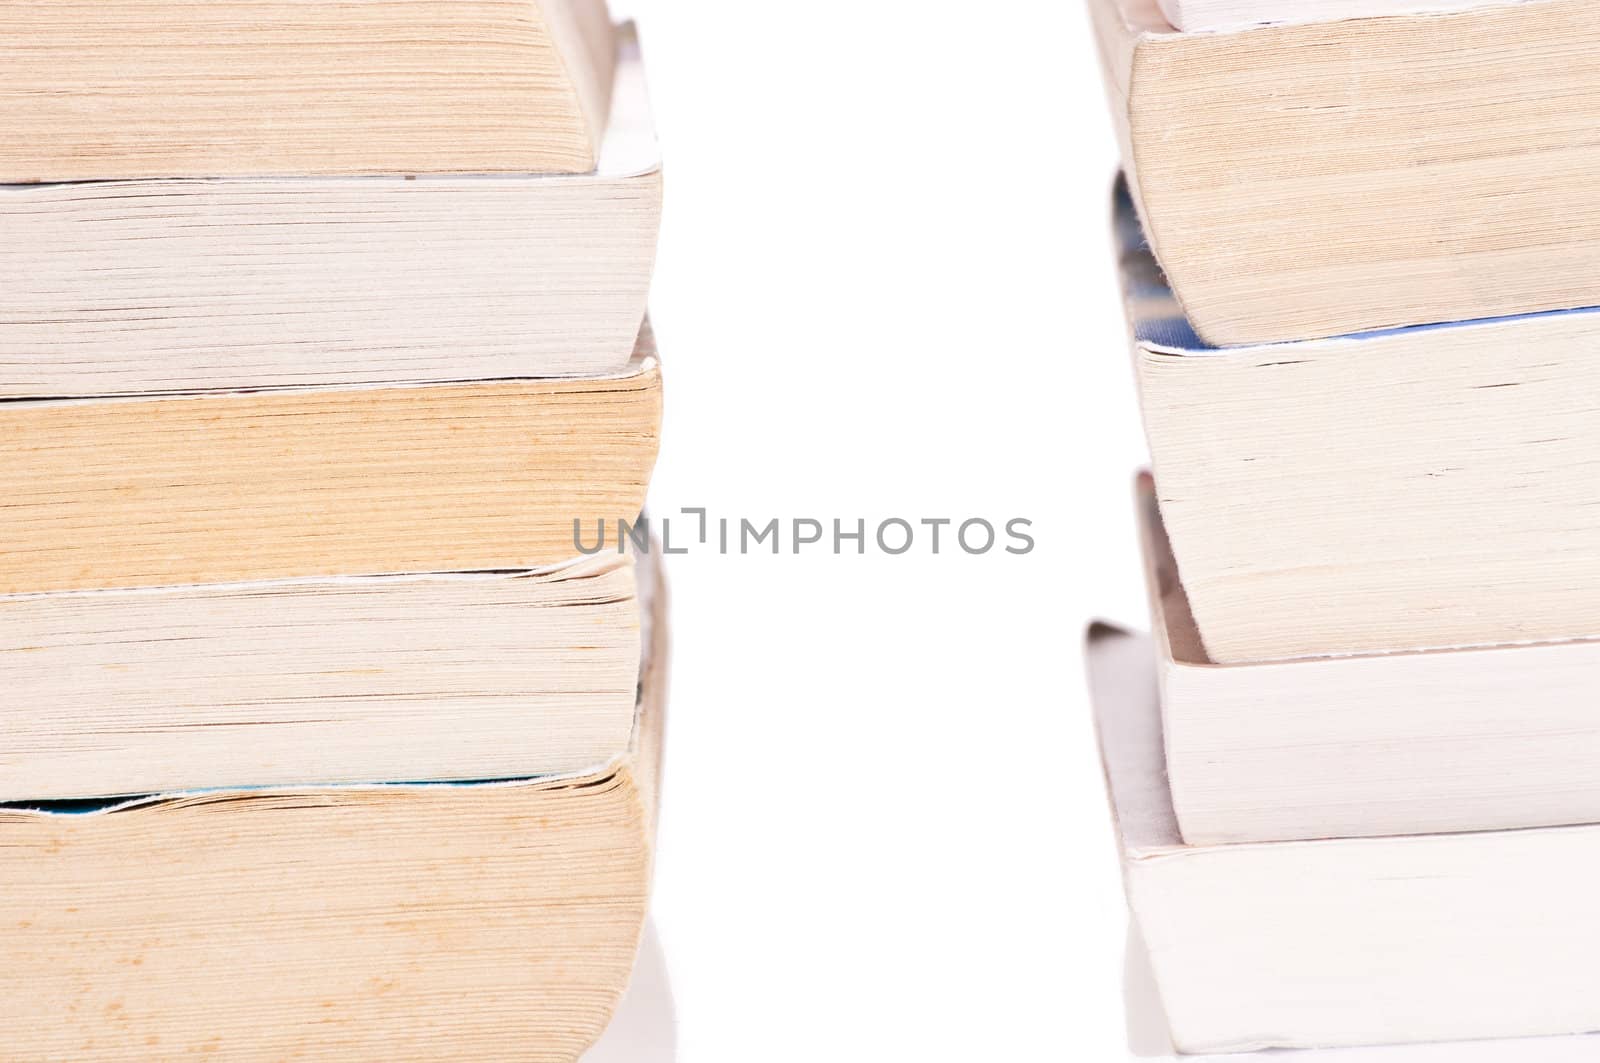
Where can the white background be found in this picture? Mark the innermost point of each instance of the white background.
(886, 288)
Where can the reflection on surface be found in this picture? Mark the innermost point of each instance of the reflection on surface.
(1147, 1021)
(644, 1029)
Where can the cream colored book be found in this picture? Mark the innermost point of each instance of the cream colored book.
(1303, 944)
(1336, 177)
(97, 89)
(420, 921)
(1401, 743)
(298, 682)
(1196, 16)
(1416, 489)
(249, 282)
(232, 487)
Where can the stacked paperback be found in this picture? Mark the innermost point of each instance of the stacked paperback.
(322, 330)
(1354, 771)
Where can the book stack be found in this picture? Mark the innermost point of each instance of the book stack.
(1355, 768)
(322, 330)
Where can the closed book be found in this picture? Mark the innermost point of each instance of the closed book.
(1308, 944)
(1421, 488)
(1421, 742)
(294, 483)
(126, 286)
(1310, 180)
(97, 89)
(417, 920)
(487, 675)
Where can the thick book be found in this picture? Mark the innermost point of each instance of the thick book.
(1320, 179)
(1304, 944)
(487, 675)
(1422, 488)
(116, 287)
(1193, 16)
(495, 920)
(231, 487)
(210, 88)
(1395, 743)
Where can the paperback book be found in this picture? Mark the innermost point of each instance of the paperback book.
(1326, 178)
(405, 921)
(158, 490)
(122, 89)
(1419, 488)
(127, 286)
(1325, 943)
